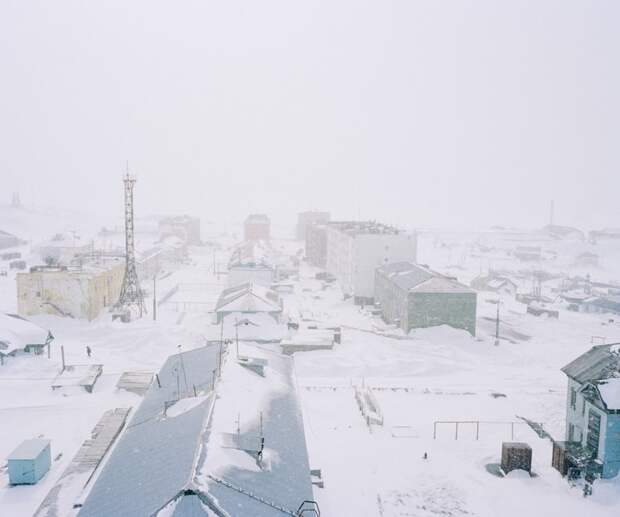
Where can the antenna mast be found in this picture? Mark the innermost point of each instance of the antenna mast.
(131, 298)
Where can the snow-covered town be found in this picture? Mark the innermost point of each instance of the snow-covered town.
(329, 259)
(256, 374)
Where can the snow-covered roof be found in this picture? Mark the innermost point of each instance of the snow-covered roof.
(256, 254)
(440, 285)
(599, 363)
(29, 449)
(155, 457)
(180, 463)
(248, 297)
(17, 332)
(414, 278)
(283, 480)
(497, 282)
(610, 393)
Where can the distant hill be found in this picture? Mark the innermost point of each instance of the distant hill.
(40, 223)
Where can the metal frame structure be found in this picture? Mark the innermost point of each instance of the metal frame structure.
(131, 297)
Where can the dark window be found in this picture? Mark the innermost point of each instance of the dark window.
(573, 398)
(594, 430)
(571, 432)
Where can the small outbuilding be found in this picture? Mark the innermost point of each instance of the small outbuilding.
(29, 462)
(516, 456)
(18, 335)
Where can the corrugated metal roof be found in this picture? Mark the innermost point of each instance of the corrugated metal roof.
(248, 297)
(167, 463)
(286, 483)
(600, 362)
(154, 458)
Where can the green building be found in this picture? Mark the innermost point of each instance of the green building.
(412, 297)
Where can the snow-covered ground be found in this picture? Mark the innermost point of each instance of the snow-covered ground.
(437, 374)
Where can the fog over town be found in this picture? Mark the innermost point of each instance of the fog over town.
(324, 258)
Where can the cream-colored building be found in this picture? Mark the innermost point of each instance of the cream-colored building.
(78, 292)
(355, 249)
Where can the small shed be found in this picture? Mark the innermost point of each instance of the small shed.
(29, 462)
(19, 335)
(516, 455)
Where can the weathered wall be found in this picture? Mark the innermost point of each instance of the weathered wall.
(74, 293)
(430, 309)
(392, 299)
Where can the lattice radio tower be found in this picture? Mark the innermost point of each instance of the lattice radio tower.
(131, 298)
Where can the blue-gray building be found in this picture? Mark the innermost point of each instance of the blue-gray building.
(29, 462)
(593, 411)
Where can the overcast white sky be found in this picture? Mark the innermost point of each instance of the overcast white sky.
(435, 113)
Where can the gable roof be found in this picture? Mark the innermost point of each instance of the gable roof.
(414, 278)
(17, 332)
(598, 363)
(248, 297)
(155, 456)
(181, 465)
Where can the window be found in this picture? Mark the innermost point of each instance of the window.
(583, 407)
(571, 433)
(573, 398)
(594, 430)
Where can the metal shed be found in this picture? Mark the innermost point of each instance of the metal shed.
(29, 462)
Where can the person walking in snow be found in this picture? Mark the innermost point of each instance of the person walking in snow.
(88, 351)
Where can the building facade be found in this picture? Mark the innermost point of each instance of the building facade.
(307, 219)
(185, 227)
(355, 249)
(412, 297)
(78, 292)
(593, 411)
(257, 227)
(316, 245)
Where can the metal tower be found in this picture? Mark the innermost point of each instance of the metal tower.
(131, 298)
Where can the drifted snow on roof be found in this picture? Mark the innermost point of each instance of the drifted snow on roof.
(240, 484)
(248, 297)
(155, 457)
(17, 332)
(610, 393)
(252, 254)
(174, 463)
(598, 363)
(417, 279)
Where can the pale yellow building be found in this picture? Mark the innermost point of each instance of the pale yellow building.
(78, 292)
